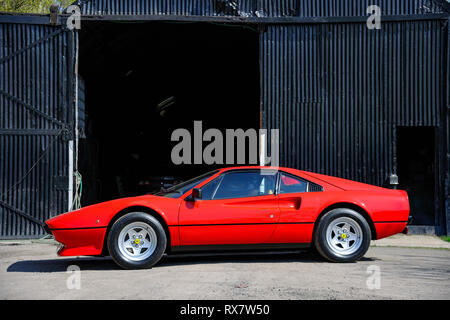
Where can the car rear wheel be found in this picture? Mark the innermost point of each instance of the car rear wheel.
(342, 235)
(137, 241)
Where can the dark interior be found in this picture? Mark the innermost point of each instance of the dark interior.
(416, 171)
(202, 71)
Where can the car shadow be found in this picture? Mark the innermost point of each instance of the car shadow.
(61, 264)
(106, 263)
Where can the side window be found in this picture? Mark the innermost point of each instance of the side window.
(290, 184)
(209, 189)
(246, 184)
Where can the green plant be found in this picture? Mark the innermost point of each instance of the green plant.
(31, 6)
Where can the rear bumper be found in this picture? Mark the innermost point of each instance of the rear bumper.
(389, 228)
(410, 219)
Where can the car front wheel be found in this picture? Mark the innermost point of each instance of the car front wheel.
(137, 241)
(342, 235)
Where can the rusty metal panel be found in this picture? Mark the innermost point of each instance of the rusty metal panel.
(35, 117)
(257, 8)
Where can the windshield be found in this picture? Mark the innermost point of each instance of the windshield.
(180, 189)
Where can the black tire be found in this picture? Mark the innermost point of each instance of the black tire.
(123, 222)
(327, 251)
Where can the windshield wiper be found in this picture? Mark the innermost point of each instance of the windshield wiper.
(165, 191)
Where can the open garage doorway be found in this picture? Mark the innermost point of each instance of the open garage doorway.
(141, 81)
(416, 165)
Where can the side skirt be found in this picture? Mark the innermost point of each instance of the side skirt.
(239, 247)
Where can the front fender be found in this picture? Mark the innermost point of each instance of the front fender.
(82, 232)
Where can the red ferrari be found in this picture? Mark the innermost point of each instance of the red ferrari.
(237, 208)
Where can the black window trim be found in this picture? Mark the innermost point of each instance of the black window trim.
(241, 171)
(308, 183)
(210, 173)
(277, 183)
(219, 177)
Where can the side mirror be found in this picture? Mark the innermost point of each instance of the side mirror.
(196, 194)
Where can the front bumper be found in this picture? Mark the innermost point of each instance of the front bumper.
(78, 241)
(46, 229)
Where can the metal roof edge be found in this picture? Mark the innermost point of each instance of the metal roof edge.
(6, 17)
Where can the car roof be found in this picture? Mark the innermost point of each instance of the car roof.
(259, 168)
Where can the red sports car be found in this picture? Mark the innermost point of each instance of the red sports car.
(237, 208)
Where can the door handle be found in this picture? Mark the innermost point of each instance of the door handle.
(291, 202)
(298, 202)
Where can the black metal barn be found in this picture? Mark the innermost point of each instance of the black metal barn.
(349, 101)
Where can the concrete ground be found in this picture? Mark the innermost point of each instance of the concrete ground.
(31, 270)
(412, 241)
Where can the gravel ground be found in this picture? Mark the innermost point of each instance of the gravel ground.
(33, 271)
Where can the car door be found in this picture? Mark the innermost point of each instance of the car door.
(298, 209)
(238, 207)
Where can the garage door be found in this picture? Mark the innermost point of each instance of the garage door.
(36, 103)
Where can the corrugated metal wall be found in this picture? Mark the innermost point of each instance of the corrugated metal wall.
(337, 92)
(35, 111)
(256, 8)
